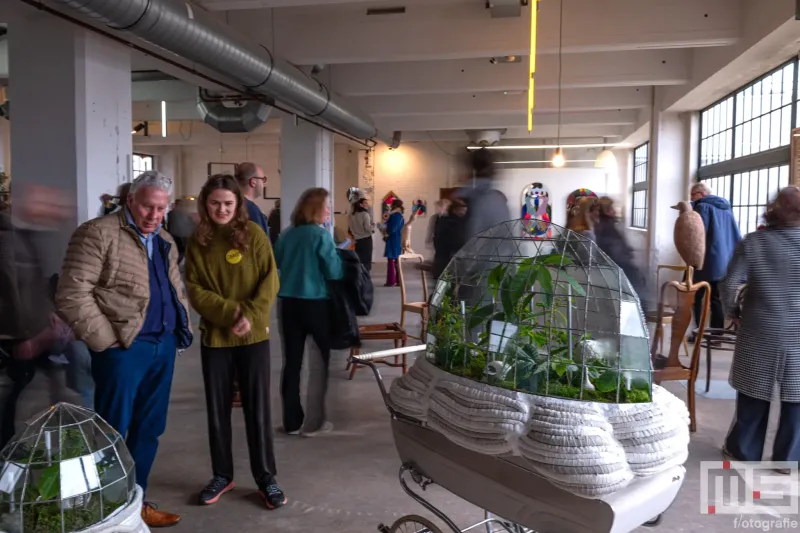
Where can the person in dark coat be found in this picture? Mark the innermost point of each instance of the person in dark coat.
(610, 238)
(767, 349)
(722, 236)
(449, 236)
(394, 242)
(274, 222)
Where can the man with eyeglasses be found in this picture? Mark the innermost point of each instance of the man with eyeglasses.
(252, 182)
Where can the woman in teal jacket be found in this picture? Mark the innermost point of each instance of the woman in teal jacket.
(394, 242)
(307, 260)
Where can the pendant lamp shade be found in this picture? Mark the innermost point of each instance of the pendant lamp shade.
(606, 160)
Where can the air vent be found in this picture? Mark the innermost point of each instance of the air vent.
(386, 11)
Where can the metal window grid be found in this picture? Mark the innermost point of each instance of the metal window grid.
(641, 185)
(141, 163)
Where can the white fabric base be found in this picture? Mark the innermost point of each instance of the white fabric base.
(590, 449)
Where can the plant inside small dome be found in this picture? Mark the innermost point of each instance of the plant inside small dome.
(550, 316)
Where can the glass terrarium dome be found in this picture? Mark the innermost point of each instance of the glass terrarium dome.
(541, 312)
(67, 471)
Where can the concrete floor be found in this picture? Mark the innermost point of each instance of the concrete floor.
(347, 481)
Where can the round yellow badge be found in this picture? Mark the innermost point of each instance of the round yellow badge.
(233, 257)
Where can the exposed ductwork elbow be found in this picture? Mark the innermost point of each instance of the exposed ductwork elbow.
(189, 31)
(226, 119)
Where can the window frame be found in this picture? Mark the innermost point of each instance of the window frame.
(641, 186)
(771, 158)
(135, 172)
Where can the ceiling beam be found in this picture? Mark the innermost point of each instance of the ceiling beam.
(494, 121)
(169, 91)
(596, 99)
(459, 30)
(230, 5)
(606, 69)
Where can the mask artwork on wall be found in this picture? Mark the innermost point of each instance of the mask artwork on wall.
(354, 194)
(386, 206)
(420, 207)
(576, 195)
(536, 211)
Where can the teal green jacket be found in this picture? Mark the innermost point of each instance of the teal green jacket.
(307, 259)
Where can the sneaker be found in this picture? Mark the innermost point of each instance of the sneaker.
(272, 494)
(282, 429)
(215, 489)
(158, 519)
(326, 427)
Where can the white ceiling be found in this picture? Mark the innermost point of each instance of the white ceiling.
(427, 71)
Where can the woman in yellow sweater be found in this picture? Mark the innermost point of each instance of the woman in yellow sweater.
(232, 281)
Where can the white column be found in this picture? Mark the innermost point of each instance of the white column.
(669, 175)
(306, 162)
(71, 100)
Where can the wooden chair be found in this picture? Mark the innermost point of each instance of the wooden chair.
(669, 367)
(380, 332)
(421, 307)
(669, 312)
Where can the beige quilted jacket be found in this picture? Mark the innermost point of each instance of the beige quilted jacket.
(104, 287)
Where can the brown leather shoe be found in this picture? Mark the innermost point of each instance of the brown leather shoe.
(156, 519)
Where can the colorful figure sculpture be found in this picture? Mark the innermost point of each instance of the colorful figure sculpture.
(537, 211)
(576, 195)
(420, 207)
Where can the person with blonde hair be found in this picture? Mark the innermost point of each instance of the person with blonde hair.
(232, 281)
(307, 261)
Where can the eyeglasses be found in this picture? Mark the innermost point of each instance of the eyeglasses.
(262, 178)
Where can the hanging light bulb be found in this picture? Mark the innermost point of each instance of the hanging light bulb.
(606, 160)
(558, 160)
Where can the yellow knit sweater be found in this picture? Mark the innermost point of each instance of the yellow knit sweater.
(220, 280)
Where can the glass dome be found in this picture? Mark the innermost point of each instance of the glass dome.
(542, 313)
(67, 471)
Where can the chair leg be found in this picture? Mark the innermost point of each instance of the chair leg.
(353, 368)
(349, 364)
(691, 404)
(686, 347)
(708, 366)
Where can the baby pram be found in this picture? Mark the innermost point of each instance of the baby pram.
(505, 487)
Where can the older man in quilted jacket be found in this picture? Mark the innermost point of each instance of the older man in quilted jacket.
(122, 294)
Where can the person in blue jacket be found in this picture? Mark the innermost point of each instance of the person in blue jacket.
(394, 242)
(722, 236)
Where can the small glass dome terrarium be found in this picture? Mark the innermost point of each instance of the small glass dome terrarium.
(548, 315)
(67, 471)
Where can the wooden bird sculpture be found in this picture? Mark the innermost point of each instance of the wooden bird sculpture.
(690, 237)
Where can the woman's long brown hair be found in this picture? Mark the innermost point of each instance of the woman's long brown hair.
(239, 233)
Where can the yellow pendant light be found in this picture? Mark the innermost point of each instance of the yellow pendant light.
(532, 69)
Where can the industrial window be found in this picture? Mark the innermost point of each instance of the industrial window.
(744, 143)
(641, 183)
(141, 163)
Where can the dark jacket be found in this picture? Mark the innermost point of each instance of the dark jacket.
(486, 207)
(256, 215)
(349, 297)
(613, 243)
(722, 236)
(449, 236)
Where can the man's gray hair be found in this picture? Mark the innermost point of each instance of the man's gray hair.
(701, 187)
(151, 178)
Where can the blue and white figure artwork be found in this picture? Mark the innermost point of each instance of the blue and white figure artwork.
(537, 211)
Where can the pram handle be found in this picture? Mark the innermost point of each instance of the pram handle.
(366, 360)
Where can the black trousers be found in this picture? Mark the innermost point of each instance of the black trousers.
(364, 252)
(21, 373)
(746, 438)
(716, 311)
(251, 364)
(299, 320)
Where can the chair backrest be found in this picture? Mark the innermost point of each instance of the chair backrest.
(672, 268)
(403, 294)
(681, 320)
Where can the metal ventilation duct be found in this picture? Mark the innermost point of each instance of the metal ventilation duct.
(233, 119)
(189, 31)
(485, 137)
(505, 8)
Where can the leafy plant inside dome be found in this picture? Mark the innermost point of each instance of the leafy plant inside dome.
(542, 355)
(42, 509)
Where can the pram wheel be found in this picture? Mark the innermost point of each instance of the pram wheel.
(654, 522)
(414, 524)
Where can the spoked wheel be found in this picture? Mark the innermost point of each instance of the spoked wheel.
(495, 524)
(414, 524)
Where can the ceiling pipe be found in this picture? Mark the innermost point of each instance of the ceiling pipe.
(189, 31)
